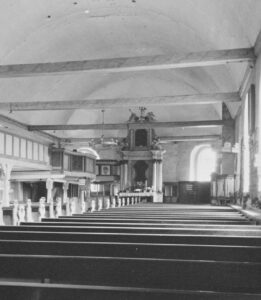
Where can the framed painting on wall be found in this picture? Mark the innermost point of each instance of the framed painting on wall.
(105, 170)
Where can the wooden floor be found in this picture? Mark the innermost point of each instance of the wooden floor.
(146, 251)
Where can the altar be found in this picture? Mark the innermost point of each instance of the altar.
(142, 157)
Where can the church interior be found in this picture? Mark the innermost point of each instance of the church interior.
(130, 149)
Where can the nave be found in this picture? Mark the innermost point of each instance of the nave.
(142, 251)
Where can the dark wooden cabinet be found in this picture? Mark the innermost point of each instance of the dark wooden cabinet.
(194, 192)
(170, 192)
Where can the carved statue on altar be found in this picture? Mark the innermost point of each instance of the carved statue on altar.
(133, 117)
(149, 117)
(156, 144)
(124, 145)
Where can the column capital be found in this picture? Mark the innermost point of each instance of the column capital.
(65, 186)
(6, 168)
(157, 160)
(49, 183)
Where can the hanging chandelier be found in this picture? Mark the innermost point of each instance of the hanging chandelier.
(102, 141)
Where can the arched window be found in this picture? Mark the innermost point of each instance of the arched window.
(202, 163)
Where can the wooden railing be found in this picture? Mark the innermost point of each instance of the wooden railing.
(62, 160)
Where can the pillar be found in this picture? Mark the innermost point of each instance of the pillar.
(125, 175)
(160, 177)
(49, 187)
(129, 176)
(154, 176)
(121, 176)
(258, 121)
(1, 215)
(7, 168)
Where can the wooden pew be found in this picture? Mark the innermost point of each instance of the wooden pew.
(166, 216)
(129, 237)
(178, 217)
(138, 261)
(136, 230)
(138, 250)
(150, 220)
(39, 291)
(133, 272)
(73, 222)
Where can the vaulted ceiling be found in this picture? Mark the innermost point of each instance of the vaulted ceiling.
(39, 32)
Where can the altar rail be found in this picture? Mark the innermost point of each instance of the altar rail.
(34, 212)
(153, 196)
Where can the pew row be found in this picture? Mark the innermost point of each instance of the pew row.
(137, 230)
(129, 237)
(39, 291)
(138, 250)
(73, 222)
(150, 220)
(205, 275)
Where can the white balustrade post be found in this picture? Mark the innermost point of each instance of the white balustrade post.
(123, 201)
(107, 203)
(93, 205)
(58, 210)
(127, 201)
(99, 204)
(21, 213)
(132, 200)
(68, 207)
(113, 202)
(42, 210)
(83, 206)
(15, 213)
(51, 208)
(73, 205)
(65, 192)
(119, 201)
(29, 217)
(49, 187)
(1, 215)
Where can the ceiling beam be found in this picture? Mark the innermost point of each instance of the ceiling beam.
(169, 139)
(121, 102)
(163, 139)
(257, 46)
(127, 64)
(246, 81)
(120, 126)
